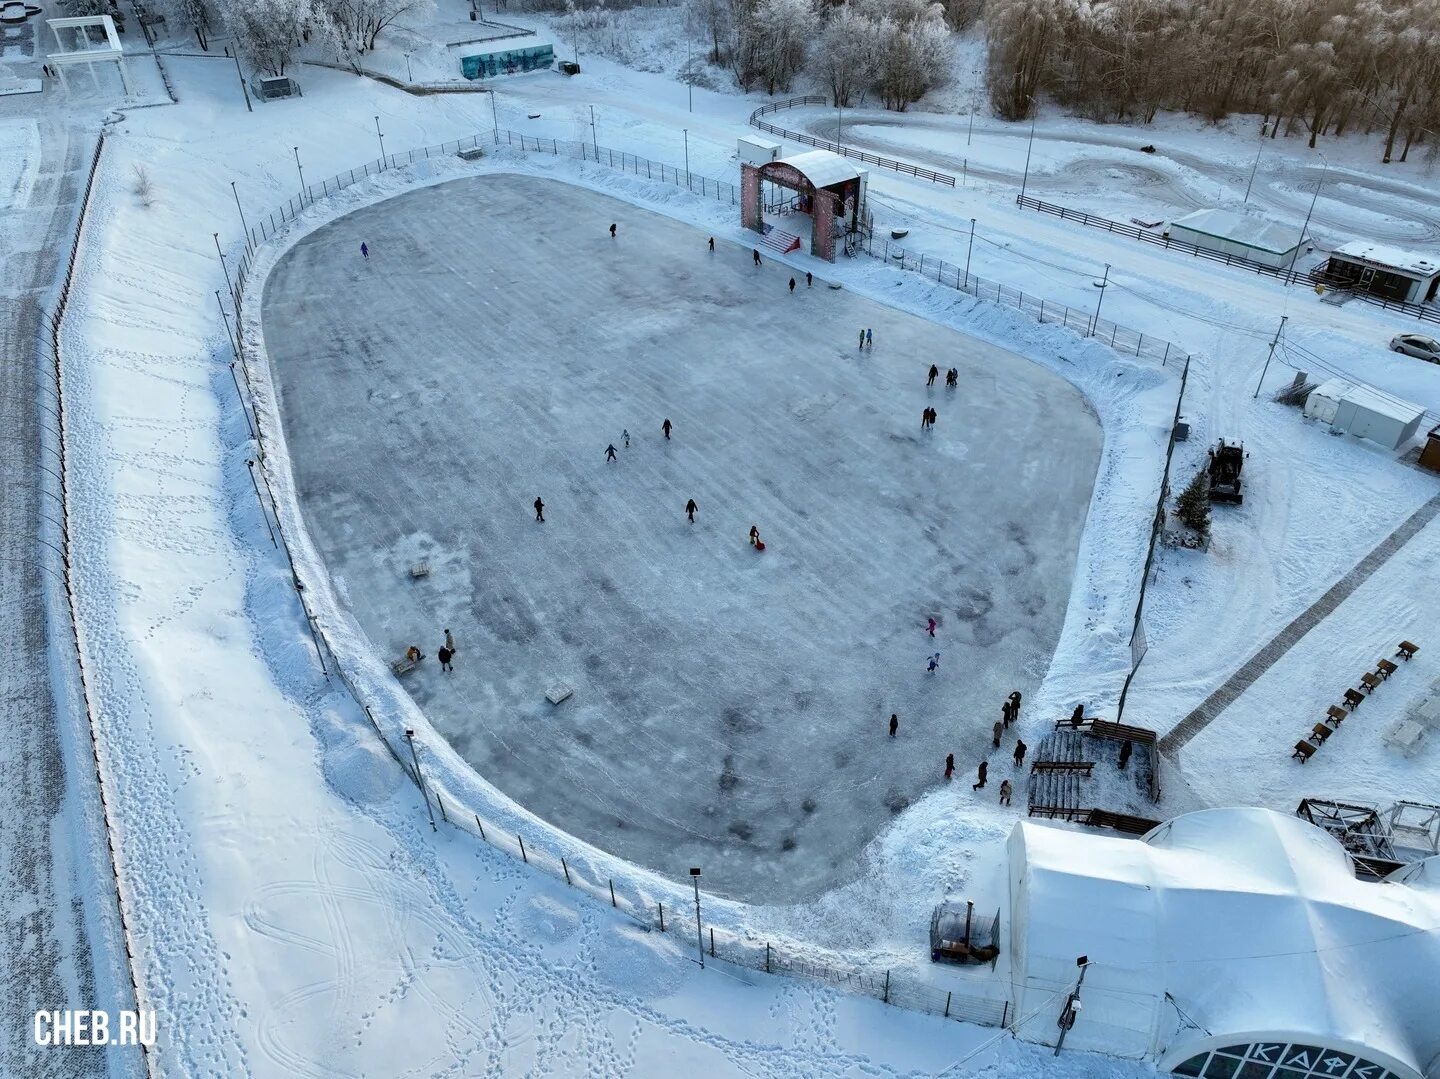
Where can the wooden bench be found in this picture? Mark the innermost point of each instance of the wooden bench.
(1385, 667)
(1370, 681)
(1353, 699)
(1081, 767)
(1304, 750)
(1335, 714)
(1407, 650)
(1319, 733)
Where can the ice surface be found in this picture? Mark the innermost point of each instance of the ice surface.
(730, 707)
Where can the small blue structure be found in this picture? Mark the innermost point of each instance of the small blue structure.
(507, 61)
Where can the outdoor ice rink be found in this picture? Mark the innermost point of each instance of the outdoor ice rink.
(730, 707)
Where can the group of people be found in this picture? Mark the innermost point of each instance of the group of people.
(952, 377)
(445, 654)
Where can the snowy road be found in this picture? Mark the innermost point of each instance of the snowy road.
(45, 948)
(729, 712)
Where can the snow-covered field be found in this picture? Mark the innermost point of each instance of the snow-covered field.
(292, 911)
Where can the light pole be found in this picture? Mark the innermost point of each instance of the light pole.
(699, 936)
(243, 225)
(419, 779)
(1026, 178)
(1313, 198)
(381, 137)
(971, 132)
(409, 74)
(594, 138)
(1071, 1011)
(687, 156)
(1253, 166)
(495, 115)
(1269, 355)
(689, 73)
(221, 253)
(968, 250)
(301, 171)
(1095, 324)
(839, 121)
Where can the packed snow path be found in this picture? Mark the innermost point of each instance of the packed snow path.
(730, 707)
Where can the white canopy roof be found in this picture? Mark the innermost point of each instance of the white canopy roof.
(822, 167)
(1245, 229)
(1250, 921)
(1389, 258)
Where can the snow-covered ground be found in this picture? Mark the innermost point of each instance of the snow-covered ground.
(294, 913)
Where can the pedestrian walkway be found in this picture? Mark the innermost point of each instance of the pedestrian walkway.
(1286, 639)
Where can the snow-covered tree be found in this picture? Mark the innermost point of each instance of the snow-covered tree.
(192, 15)
(845, 55)
(357, 24)
(777, 32)
(268, 33)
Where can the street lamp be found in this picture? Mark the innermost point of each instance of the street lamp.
(495, 115)
(594, 138)
(687, 156)
(1095, 324)
(301, 171)
(1028, 146)
(1313, 198)
(1071, 1011)
(381, 137)
(968, 251)
(689, 72)
(221, 253)
(1253, 166)
(699, 936)
(409, 74)
(242, 215)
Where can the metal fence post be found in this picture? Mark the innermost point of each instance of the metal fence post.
(662, 916)
(947, 1005)
(612, 893)
(524, 857)
(565, 867)
(481, 827)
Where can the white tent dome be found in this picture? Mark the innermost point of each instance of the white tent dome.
(1226, 929)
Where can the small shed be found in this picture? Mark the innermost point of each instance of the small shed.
(1430, 452)
(1365, 413)
(1255, 239)
(756, 151)
(1388, 272)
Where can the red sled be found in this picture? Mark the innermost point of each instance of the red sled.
(759, 545)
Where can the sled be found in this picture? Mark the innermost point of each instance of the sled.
(759, 545)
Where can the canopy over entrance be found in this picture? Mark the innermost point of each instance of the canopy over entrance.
(828, 186)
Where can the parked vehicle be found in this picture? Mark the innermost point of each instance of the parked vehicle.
(1414, 344)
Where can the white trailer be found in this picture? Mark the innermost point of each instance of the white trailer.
(1364, 413)
(756, 151)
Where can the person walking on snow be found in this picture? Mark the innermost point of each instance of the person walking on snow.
(934, 374)
(610, 452)
(924, 418)
(539, 509)
(934, 415)
(862, 340)
(949, 766)
(792, 286)
(1005, 716)
(1020, 748)
(1015, 706)
(754, 536)
(952, 378)
(934, 664)
(712, 244)
(1005, 790)
(869, 338)
(980, 775)
(755, 251)
(930, 627)
(364, 250)
(625, 434)
(666, 428)
(808, 278)
(612, 232)
(997, 732)
(894, 724)
(445, 654)
(690, 509)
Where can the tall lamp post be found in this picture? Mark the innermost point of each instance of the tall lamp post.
(381, 137)
(687, 156)
(1253, 166)
(1028, 146)
(1095, 324)
(228, 283)
(699, 935)
(1071, 1011)
(243, 225)
(301, 171)
(970, 248)
(1305, 227)
(689, 72)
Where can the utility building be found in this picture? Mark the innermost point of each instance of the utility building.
(1241, 236)
(1388, 272)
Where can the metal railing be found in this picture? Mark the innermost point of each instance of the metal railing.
(840, 148)
(719, 943)
(87, 692)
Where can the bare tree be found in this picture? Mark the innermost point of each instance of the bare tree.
(268, 33)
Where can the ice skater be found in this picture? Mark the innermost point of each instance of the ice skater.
(934, 415)
(862, 340)
(952, 378)
(1015, 706)
(934, 664)
(894, 724)
(690, 509)
(755, 253)
(666, 428)
(1020, 748)
(712, 245)
(792, 286)
(612, 232)
(980, 775)
(869, 338)
(998, 730)
(626, 436)
(934, 374)
(539, 509)
(930, 627)
(1005, 790)
(949, 766)
(808, 278)
(365, 251)
(450, 642)
(610, 452)
(1005, 714)
(445, 655)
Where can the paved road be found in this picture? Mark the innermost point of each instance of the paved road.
(45, 871)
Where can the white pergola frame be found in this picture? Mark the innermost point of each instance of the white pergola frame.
(88, 54)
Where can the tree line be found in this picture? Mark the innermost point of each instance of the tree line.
(1312, 67)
